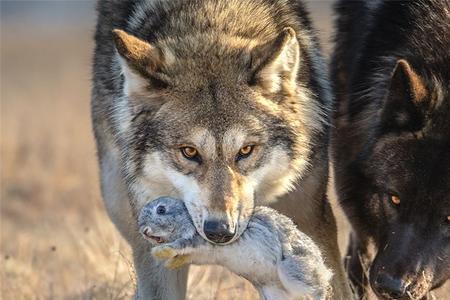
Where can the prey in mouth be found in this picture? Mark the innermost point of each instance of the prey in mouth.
(148, 235)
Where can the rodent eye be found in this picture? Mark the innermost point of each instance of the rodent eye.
(191, 153)
(394, 199)
(245, 152)
(160, 210)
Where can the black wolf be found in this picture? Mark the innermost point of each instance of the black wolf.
(391, 143)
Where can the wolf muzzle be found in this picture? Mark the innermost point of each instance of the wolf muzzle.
(218, 231)
(387, 285)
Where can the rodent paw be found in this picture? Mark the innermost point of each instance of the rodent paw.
(163, 252)
(177, 262)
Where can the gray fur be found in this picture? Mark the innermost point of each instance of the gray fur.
(208, 52)
(277, 258)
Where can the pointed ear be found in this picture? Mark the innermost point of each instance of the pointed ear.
(403, 107)
(139, 55)
(140, 61)
(275, 64)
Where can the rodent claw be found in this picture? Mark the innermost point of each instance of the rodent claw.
(163, 252)
(177, 262)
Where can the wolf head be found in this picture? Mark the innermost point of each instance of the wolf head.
(409, 174)
(217, 121)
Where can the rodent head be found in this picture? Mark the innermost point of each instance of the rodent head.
(164, 220)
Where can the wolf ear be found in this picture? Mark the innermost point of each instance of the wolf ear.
(403, 106)
(274, 65)
(141, 62)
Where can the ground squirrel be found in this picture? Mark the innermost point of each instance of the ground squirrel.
(279, 260)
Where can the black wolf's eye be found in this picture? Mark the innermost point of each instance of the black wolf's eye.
(394, 199)
(245, 152)
(160, 210)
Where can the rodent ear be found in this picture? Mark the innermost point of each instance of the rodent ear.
(275, 64)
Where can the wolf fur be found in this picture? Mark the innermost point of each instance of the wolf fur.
(215, 77)
(391, 146)
(277, 258)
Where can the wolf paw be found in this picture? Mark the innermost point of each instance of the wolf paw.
(177, 262)
(163, 252)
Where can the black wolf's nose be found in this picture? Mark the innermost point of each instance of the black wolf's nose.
(218, 231)
(393, 287)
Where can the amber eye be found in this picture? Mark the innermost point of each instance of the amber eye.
(245, 152)
(448, 218)
(395, 199)
(189, 152)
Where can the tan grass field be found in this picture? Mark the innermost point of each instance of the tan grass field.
(56, 239)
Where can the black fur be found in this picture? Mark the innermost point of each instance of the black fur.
(392, 138)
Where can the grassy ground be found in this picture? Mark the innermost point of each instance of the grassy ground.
(56, 240)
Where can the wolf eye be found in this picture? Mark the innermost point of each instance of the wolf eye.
(190, 153)
(394, 199)
(160, 210)
(245, 152)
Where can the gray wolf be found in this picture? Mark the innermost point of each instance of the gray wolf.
(277, 258)
(391, 146)
(223, 104)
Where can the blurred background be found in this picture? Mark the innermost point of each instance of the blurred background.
(56, 240)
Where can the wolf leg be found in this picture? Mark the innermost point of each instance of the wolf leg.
(356, 262)
(153, 280)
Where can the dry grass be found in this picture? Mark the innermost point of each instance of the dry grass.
(56, 240)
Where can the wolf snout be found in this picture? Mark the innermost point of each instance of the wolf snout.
(218, 231)
(387, 285)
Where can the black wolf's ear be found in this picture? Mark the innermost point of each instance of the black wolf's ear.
(275, 64)
(403, 106)
(141, 62)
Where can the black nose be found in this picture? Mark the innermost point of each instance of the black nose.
(218, 231)
(387, 285)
